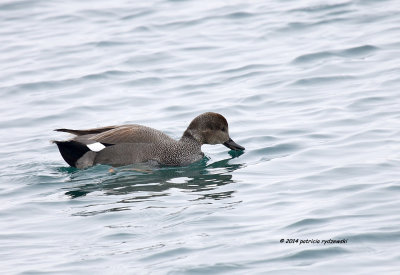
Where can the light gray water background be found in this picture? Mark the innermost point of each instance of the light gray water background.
(310, 88)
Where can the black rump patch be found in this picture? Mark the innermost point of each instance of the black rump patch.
(71, 151)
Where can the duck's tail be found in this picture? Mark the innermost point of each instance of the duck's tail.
(85, 132)
(71, 151)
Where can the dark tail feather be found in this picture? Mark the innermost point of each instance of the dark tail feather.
(71, 151)
(85, 132)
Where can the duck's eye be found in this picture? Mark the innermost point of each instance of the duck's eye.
(223, 129)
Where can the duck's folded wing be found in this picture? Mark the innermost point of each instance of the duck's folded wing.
(130, 134)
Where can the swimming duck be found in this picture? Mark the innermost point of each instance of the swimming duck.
(133, 143)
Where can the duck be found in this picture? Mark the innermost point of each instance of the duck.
(133, 143)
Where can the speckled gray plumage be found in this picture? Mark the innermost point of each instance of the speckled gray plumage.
(129, 144)
(171, 153)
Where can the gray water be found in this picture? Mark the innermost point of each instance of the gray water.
(311, 89)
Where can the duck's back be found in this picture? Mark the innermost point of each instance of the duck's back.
(132, 133)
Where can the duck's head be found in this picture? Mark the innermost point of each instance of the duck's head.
(211, 128)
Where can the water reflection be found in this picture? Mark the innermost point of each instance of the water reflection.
(200, 176)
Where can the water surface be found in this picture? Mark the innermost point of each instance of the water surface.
(311, 90)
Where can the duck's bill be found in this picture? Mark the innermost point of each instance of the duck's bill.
(233, 145)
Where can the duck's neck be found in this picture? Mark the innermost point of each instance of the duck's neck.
(190, 137)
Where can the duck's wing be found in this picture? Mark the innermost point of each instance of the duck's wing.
(86, 131)
(130, 134)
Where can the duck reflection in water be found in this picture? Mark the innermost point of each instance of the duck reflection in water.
(196, 177)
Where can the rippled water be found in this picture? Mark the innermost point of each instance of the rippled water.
(310, 89)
